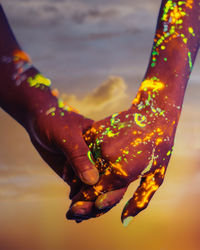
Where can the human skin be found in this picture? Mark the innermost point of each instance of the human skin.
(54, 128)
(138, 142)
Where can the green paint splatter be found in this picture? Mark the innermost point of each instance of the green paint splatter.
(38, 80)
(89, 154)
(118, 159)
(125, 160)
(191, 31)
(51, 110)
(139, 119)
(190, 60)
(112, 120)
(60, 103)
(127, 221)
(122, 125)
(168, 153)
(109, 133)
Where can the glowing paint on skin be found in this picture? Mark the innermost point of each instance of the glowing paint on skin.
(126, 152)
(151, 190)
(166, 9)
(119, 169)
(148, 168)
(118, 159)
(55, 92)
(60, 103)
(139, 120)
(168, 37)
(148, 187)
(98, 189)
(39, 80)
(21, 55)
(127, 221)
(109, 133)
(122, 125)
(189, 3)
(191, 31)
(190, 60)
(97, 149)
(69, 108)
(152, 83)
(112, 120)
(158, 141)
(172, 14)
(51, 110)
(168, 153)
(89, 154)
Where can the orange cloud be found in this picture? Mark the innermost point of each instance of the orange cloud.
(106, 99)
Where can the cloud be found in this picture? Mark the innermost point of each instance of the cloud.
(26, 13)
(106, 99)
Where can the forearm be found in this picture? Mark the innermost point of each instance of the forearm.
(26, 94)
(174, 51)
(23, 89)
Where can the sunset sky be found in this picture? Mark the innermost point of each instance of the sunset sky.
(96, 53)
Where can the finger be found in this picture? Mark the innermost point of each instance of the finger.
(142, 196)
(107, 183)
(89, 211)
(75, 187)
(54, 160)
(71, 179)
(81, 208)
(110, 199)
(61, 166)
(81, 159)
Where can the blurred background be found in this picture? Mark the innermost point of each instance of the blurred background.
(96, 52)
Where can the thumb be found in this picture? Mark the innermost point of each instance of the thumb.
(142, 196)
(80, 157)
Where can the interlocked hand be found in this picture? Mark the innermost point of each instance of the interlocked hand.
(133, 144)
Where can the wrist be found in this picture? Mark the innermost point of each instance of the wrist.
(38, 98)
(159, 97)
(24, 91)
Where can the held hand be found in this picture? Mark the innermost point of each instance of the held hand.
(136, 143)
(55, 130)
(57, 136)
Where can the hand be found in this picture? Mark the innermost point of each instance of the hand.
(57, 136)
(54, 128)
(135, 143)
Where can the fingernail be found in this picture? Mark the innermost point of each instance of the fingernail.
(77, 210)
(127, 221)
(90, 176)
(101, 204)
